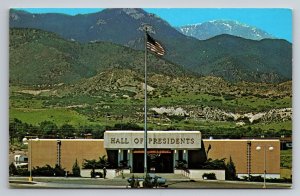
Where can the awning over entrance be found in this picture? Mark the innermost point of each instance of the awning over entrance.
(153, 151)
(156, 139)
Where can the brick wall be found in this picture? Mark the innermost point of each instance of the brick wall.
(46, 152)
(237, 149)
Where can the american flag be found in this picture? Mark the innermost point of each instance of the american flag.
(154, 46)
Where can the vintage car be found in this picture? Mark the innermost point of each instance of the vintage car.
(154, 179)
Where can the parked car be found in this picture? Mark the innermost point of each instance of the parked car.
(154, 179)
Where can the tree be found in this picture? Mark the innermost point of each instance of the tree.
(127, 126)
(17, 129)
(67, 131)
(230, 171)
(48, 128)
(214, 164)
(94, 164)
(103, 162)
(76, 169)
(90, 164)
(98, 134)
(84, 130)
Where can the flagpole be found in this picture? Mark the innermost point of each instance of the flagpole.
(145, 107)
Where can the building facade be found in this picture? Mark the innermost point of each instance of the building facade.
(247, 159)
(166, 149)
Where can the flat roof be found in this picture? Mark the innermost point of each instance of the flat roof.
(150, 131)
(237, 140)
(68, 140)
(232, 140)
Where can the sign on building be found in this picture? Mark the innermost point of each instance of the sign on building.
(156, 139)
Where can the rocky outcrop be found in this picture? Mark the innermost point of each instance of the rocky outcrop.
(208, 113)
(170, 111)
(282, 114)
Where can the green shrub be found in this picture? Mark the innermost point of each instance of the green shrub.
(95, 174)
(127, 126)
(181, 164)
(124, 164)
(13, 170)
(279, 180)
(22, 172)
(18, 171)
(59, 171)
(47, 170)
(214, 164)
(209, 176)
(261, 179)
(256, 178)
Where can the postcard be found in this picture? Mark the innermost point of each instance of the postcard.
(150, 98)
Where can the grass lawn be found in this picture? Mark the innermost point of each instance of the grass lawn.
(286, 157)
(59, 116)
(86, 110)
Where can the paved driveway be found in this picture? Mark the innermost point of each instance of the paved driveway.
(60, 182)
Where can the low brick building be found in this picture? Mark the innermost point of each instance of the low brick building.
(247, 159)
(165, 149)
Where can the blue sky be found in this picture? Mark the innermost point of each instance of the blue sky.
(277, 22)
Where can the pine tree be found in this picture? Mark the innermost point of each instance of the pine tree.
(230, 172)
(76, 169)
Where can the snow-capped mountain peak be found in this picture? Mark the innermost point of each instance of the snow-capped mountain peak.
(213, 28)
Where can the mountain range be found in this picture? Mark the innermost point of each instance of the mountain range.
(207, 30)
(115, 31)
(38, 57)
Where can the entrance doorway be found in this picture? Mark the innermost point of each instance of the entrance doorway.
(158, 161)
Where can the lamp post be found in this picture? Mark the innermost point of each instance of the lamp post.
(265, 148)
(29, 142)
